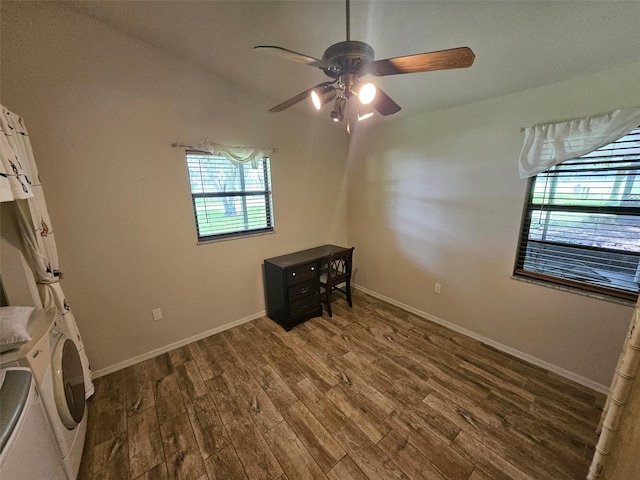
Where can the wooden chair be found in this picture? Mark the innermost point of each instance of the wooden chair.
(338, 271)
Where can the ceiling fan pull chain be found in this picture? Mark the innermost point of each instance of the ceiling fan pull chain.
(348, 21)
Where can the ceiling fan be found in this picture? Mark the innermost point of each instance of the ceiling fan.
(347, 62)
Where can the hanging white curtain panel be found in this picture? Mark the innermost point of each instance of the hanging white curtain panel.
(14, 181)
(36, 228)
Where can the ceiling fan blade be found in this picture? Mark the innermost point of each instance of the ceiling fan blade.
(384, 104)
(423, 62)
(298, 98)
(293, 56)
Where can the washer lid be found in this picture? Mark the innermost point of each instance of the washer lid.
(68, 382)
(14, 394)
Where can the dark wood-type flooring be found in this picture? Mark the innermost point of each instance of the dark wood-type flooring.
(372, 393)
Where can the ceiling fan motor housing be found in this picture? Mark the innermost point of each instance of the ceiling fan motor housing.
(347, 57)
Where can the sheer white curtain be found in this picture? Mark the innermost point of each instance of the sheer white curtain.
(233, 154)
(37, 231)
(550, 144)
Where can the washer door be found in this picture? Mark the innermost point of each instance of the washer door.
(68, 382)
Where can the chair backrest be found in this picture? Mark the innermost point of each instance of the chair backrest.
(339, 266)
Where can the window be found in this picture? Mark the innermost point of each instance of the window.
(581, 224)
(229, 199)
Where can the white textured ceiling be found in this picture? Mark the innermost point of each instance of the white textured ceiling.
(518, 44)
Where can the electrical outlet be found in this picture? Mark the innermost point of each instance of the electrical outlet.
(437, 288)
(157, 314)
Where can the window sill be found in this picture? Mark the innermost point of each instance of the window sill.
(577, 291)
(234, 237)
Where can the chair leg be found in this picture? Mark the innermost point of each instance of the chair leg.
(348, 290)
(329, 302)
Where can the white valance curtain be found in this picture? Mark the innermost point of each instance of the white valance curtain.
(234, 154)
(551, 144)
(36, 229)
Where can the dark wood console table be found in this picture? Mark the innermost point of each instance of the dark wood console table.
(293, 287)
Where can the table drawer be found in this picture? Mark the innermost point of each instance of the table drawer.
(302, 289)
(301, 273)
(304, 305)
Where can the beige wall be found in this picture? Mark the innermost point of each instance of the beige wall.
(102, 110)
(437, 198)
(432, 199)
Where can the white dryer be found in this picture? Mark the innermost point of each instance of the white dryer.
(55, 362)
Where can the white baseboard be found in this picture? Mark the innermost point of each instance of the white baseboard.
(174, 345)
(452, 326)
(499, 346)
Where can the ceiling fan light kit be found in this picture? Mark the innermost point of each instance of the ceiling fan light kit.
(366, 93)
(364, 112)
(337, 114)
(322, 95)
(346, 62)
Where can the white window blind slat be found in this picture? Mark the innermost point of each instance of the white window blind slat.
(582, 221)
(229, 199)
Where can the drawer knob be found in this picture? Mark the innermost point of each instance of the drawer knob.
(304, 290)
(313, 268)
(293, 274)
(36, 353)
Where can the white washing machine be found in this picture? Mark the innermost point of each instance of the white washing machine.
(28, 450)
(55, 362)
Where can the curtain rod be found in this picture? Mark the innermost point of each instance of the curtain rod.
(184, 145)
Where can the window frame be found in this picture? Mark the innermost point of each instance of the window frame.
(524, 240)
(241, 193)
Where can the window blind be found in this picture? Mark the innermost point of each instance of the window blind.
(581, 225)
(229, 199)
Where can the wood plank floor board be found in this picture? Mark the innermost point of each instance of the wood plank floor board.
(373, 462)
(182, 453)
(257, 458)
(178, 356)
(317, 440)
(224, 465)
(204, 360)
(138, 388)
(493, 464)
(110, 411)
(314, 371)
(320, 406)
(145, 442)
(373, 392)
(229, 407)
(431, 445)
(156, 367)
(159, 472)
(273, 385)
(409, 458)
(168, 398)
(492, 366)
(207, 426)
(294, 458)
(190, 381)
(249, 347)
(111, 459)
(346, 469)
